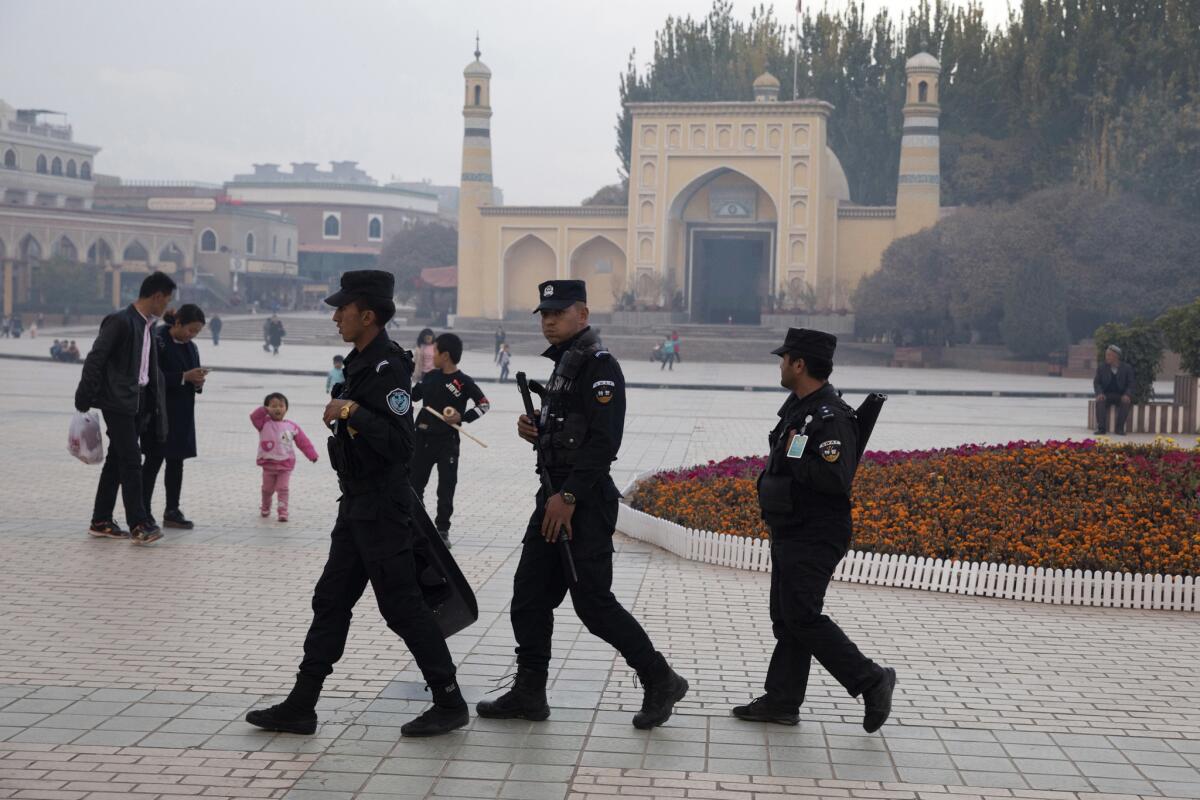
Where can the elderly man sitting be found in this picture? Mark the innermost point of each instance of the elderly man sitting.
(1114, 386)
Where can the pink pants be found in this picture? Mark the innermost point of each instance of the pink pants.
(276, 482)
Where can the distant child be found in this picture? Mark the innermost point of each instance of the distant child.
(503, 360)
(446, 390)
(424, 354)
(667, 351)
(277, 440)
(336, 375)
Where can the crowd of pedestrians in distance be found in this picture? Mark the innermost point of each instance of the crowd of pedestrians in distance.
(64, 350)
(11, 327)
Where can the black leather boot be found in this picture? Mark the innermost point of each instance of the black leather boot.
(448, 712)
(525, 700)
(296, 714)
(662, 688)
(765, 709)
(174, 518)
(878, 700)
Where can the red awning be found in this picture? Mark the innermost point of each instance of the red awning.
(440, 277)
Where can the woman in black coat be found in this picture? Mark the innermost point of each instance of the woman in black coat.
(179, 362)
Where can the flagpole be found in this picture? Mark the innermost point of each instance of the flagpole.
(796, 53)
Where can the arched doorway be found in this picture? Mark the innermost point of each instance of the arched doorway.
(528, 262)
(172, 254)
(722, 241)
(30, 253)
(29, 249)
(65, 249)
(135, 254)
(100, 254)
(600, 263)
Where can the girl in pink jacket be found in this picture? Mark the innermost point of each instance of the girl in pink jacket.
(278, 439)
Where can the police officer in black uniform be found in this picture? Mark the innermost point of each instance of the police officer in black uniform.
(581, 421)
(443, 388)
(804, 493)
(373, 539)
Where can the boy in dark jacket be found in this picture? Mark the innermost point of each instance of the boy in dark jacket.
(444, 389)
(121, 378)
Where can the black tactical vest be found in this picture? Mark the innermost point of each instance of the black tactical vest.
(780, 497)
(563, 423)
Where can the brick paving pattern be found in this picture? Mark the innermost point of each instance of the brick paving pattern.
(125, 672)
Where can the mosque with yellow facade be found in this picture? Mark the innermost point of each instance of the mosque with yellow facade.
(731, 205)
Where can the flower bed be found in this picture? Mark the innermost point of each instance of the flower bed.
(1067, 505)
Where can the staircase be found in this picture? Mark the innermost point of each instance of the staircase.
(708, 343)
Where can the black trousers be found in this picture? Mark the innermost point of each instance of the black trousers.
(372, 542)
(542, 581)
(802, 563)
(1102, 412)
(172, 478)
(122, 468)
(442, 452)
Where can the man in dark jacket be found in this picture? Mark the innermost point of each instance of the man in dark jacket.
(374, 540)
(121, 378)
(1114, 385)
(578, 433)
(804, 495)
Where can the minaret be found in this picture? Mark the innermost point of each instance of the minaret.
(918, 193)
(475, 188)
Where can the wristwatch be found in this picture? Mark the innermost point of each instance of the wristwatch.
(346, 409)
(568, 498)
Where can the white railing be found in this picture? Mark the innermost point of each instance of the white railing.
(1070, 587)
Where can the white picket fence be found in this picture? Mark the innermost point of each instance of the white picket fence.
(1071, 587)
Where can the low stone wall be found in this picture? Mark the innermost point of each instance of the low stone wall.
(1071, 587)
(837, 324)
(648, 319)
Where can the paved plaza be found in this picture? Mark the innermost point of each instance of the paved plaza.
(126, 672)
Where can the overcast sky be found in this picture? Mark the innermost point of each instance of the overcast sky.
(201, 89)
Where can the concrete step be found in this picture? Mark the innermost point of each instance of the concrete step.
(714, 348)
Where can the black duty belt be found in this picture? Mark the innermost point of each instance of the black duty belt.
(352, 488)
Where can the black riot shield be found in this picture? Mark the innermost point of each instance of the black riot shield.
(445, 589)
(865, 416)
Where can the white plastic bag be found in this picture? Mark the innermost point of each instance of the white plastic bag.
(84, 440)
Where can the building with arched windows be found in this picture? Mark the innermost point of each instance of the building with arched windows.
(47, 213)
(342, 215)
(737, 212)
(243, 255)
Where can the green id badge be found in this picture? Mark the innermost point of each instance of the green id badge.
(796, 448)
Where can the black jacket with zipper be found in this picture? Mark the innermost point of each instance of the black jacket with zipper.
(109, 380)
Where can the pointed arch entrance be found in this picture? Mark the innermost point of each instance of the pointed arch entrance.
(527, 262)
(601, 264)
(723, 239)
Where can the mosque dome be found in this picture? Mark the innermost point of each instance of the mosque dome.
(766, 81)
(923, 60)
(477, 69)
(766, 88)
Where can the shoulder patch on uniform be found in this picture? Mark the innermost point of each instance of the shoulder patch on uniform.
(603, 354)
(826, 412)
(379, 367)
(399, 401)
(604, 391)
(830, 450)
